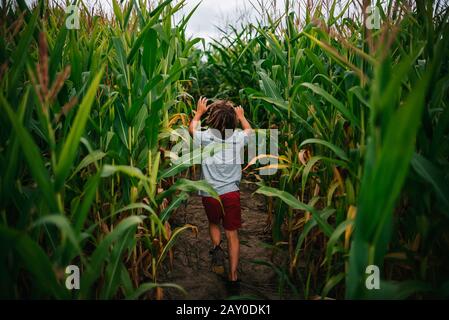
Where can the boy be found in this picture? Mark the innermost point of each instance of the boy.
(223, 172)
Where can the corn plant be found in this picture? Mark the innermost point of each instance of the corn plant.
(357, 115)
(84, 179)
(86, 174)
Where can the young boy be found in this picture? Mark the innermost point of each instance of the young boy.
(223, 172)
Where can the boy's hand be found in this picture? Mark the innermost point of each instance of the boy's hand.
(240, 113)
(200, 110)
(201, 106)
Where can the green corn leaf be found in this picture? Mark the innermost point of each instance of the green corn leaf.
(91, 158)
(325, 214)
(283, 105)
(178, 201)
(117, 12)
(70, 148)
(90, 189)
(337, 104)
(172, 240)
(268, 86)
(338, 151)
(331, 283)
(395, 290)
(150, 52)
(13, 152)
(137, 104)
(186, 19)
(126, 283)
(133, 172)
(32, 155)
(128, 13)
(182, 163)
(383, 179)
(335, 237)
(57, 52)
(308, 167)
(114, 267)
(35, 260)
(121, 58)
(134, 206)
(296, 204)
(189, 186)
(101, 253)
(154, 17)
(20, 55)
(67, 231)
(143, 288)
(431, 174)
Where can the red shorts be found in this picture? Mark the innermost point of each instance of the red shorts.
(232, 218)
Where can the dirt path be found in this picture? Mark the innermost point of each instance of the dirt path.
(191, 254)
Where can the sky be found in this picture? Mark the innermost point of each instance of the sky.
(207, 15)
(202, 24)
(214, 12)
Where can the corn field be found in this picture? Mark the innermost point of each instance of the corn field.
(363, 166)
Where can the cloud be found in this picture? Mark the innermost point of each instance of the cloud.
(212, 13)
(209, 14)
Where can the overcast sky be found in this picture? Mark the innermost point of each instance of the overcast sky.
(214, 12)
(208, 14)
(203, 21)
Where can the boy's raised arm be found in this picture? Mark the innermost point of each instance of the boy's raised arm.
(240, 113)
(200, 110)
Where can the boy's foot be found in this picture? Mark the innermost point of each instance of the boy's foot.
(233, 288)
(217, 265)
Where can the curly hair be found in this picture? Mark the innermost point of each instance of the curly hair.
(222, 116)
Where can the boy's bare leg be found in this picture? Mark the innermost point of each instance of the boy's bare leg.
(234, 252)
(215, 234)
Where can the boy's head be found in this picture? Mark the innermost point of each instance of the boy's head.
(222, 116)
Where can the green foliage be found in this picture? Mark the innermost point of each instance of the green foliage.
(79, 182)
(363, 178)
(363, 158)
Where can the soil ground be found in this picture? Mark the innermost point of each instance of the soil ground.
(191, 263)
